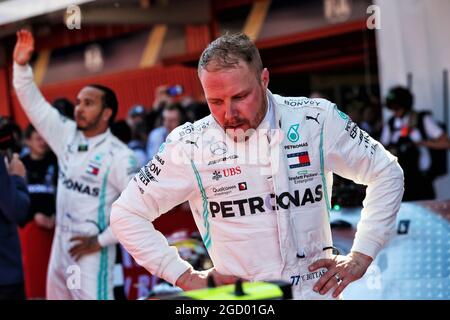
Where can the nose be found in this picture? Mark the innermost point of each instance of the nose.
(230, 111)
(79, 108)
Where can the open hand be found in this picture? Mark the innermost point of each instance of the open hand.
(24, 47)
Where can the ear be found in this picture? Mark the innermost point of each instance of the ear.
(107, 113)
(265, 78)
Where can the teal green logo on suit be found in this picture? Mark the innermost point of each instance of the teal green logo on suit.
(292, 133)
(341, 114)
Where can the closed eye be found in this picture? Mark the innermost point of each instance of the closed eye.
(240, 96)
(215, 102)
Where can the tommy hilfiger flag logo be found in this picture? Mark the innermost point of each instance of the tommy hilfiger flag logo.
(92, 170)
(298, 159)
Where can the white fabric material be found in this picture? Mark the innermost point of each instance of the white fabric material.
(277, 224)
(412, 40)
(89, 181)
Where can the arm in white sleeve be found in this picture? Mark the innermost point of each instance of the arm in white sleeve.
(353, 154)
(53, 127)
(163, 183)
(122, 171)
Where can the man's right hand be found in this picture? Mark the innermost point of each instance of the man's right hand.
(24, 47)
(43, 221)
(192, 279)
(16, 167)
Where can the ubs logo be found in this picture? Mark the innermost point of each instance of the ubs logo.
(231, 171)
(228, 172)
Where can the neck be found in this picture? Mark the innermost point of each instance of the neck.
(94, 132)
(37, 156)
(400, 113)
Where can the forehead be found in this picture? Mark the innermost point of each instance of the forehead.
(35, 135)
(90, 92)
(170, 113)
(223, 82)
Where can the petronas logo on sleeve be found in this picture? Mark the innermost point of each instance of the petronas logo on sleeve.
(292, 134)
(161, 147)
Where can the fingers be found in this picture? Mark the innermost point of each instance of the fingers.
(221, 279)
(76, 250)
(326, 277)
(25, 37)
(224, 279)
(322, 263)
(77, 256)
(29, 39)
(77, 238)
(344, 283)
(21, 34)
(332, 282)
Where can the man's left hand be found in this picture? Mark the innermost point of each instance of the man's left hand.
(85, 245)
(342, 270)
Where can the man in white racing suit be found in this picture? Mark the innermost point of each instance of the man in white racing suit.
(260, 198)
(94, 167)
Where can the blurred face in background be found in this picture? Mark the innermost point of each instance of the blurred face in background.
(236, 97)
(136, 116)
(171, 119)
(135, 120)
(38, 146)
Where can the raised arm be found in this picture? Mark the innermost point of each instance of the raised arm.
(46, 119)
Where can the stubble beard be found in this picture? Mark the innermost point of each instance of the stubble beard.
(91, 125)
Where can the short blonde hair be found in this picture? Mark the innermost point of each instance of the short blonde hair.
(227, 51)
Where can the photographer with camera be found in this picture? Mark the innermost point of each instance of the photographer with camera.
(14, 202)
(418, 141)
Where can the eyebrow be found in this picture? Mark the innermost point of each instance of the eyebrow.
(86, 99)
(241, 93)
(214, 99)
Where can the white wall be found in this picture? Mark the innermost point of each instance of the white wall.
(415, 38)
